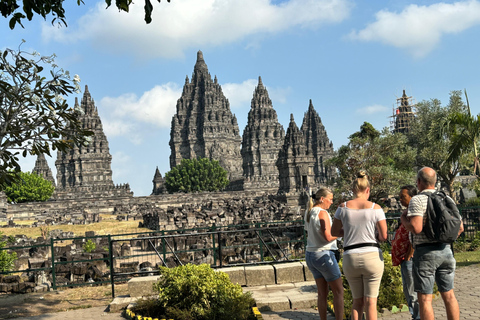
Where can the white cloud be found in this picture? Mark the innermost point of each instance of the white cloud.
(376, 108)
(240, 94)
(193, 23)
(419, 29)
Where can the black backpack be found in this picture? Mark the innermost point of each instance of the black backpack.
(443, 218)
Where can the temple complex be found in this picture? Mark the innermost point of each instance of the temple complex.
(204, 127)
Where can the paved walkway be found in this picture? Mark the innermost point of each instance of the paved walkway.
(467, 290)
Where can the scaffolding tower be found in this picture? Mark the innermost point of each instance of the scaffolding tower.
(403, 114)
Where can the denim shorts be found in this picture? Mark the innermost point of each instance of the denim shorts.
(323, 264)
(433, 264)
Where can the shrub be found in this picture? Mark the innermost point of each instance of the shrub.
(197, 292)
(29, 187)
(7, 260)
(89, 246)
(193, 175)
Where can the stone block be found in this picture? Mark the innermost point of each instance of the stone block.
(273, 304)
(142, 286)
(236, 275)
(259, 275)
(289, 272)
(299, 300)
(120, 303)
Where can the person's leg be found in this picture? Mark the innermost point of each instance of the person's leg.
(451, 305)
(425, 304)
(322, 288)
(371, 308)
(337, 289)
(353, 268)
(374, 267)
(408, 290)
(357, 308)
(445, 277)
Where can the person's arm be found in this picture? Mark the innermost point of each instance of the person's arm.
(414, 224)
(382, 230)
(337, 228)
(325, 227)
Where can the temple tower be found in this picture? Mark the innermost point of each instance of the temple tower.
(318, 145)
(42, 169)
(86, 166)
(158, 183)
(403, 114)
(295, 164)
(262, 139)
(204, 126)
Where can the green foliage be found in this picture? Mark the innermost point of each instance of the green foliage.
(29, 187)
(29, 8)
(89, 246)
(197, 292)
(386, 157)
(196, 175)
(391, 288)
(34, 115)
(7, 260)
(432, 137)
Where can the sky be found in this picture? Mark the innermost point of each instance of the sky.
(353, 59)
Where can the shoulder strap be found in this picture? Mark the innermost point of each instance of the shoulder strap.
(373, 205)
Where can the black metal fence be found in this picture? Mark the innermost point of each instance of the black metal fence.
(116, 258)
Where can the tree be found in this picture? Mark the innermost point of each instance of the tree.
(34, 115)
(29, 187)
(193, 175)
(465, 132)
(431, 139)
(21, 9)
(385, 156)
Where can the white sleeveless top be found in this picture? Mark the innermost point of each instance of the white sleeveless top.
(315, 238)
(359, 226)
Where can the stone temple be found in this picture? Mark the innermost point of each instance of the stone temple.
(264, 157)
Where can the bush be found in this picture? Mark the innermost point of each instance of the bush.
(29, 187)
(196, 175)
(197, 292)
(7, 260)
(89, 246)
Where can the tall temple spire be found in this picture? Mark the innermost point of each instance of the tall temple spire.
(318, 144)
(42, 169)
(294, 162)
(88, 165)
(203, 125)
(262, 138)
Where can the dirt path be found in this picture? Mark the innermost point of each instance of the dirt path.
(31, 304)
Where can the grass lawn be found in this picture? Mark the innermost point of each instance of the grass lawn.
(108, 225)
(467, 258)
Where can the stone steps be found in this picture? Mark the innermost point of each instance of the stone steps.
(275, 287)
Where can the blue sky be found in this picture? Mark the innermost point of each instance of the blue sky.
(353, 59)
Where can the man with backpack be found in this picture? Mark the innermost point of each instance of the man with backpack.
(433, 260)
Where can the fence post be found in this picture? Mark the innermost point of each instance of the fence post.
(112, 268)
(164, 249)
(54, 282)
(257, 225)
(213, 245)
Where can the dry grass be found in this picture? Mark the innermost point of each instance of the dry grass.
(109, 225)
